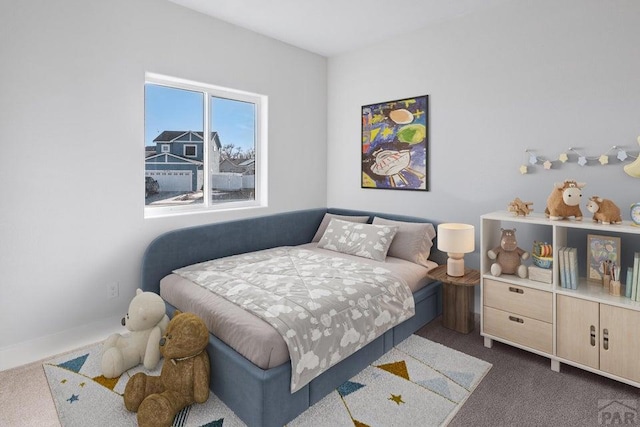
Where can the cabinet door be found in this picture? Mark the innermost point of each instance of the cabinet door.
(620, 342)
(577, 330)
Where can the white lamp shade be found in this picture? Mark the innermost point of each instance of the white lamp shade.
(456, 238)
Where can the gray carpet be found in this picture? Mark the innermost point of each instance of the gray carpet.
(521, 389)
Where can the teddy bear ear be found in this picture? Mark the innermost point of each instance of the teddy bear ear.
(176, 313)
(138, 291)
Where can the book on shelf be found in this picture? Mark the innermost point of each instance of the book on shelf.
(629, 282)
(567, 276)
(573, 267)
(634, 283)
(561, 267)
(568, 267)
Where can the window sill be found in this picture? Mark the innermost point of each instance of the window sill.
(172, 211)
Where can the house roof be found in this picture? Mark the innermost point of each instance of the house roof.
(179, 159)
(172, 135)
(245, 167)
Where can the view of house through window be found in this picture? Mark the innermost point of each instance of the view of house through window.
(200, 146)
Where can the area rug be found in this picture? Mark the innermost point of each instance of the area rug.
(418, 382)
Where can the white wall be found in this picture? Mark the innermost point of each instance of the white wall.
(71, 122)
(543, 75)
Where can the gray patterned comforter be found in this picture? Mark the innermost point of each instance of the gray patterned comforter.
(325, 308)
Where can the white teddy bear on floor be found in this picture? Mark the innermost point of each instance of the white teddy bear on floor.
(147, 322)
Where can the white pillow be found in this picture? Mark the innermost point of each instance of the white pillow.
(364, 240)
(327, 217)
(412, 242)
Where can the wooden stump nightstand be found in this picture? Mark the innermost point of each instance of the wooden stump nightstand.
(458, 295)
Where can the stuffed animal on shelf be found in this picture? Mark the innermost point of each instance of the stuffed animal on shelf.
(564, 200)
(518, 207)
(184, 378)
(604, 210)
(508, 255)
(146, 320)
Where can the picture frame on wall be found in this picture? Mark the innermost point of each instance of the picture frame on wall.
(395, 144)
(602, 252)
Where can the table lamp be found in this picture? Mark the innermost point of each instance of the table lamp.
(456, 240)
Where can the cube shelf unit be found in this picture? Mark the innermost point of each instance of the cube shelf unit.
(586, 327)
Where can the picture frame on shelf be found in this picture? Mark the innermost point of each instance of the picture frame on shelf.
(395, 144)
(600, 251)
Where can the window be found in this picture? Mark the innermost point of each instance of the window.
(190, 151)
(203, 147)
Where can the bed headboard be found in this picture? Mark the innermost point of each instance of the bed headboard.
(186, 246)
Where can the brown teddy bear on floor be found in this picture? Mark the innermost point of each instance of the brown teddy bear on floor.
(184, 379)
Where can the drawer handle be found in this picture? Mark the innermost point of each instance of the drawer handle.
(516, 290)
(605, 339)
(516, 319)
(593, 336)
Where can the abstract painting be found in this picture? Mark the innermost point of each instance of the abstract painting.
(395, 144)
(602, 253)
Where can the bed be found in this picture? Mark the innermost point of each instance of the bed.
(257, 384)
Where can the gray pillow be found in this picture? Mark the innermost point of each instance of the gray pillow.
(327, 218)
(364, 240)
(412, 242)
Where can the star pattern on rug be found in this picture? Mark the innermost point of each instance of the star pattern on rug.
(397, 398)
(465, 379)
(78, 376)
(446, 385)
(109, 383)
(75, 364)
(349, 387)
(437, 385)
(216, 423)
(396, 368)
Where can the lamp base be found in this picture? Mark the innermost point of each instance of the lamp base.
(455, 267)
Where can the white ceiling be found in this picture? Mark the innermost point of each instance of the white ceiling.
(332, 27)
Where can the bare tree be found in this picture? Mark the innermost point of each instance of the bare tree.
(230, 151)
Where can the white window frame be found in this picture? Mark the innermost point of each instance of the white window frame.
(165, 148)
(195, 149)
(260, 138)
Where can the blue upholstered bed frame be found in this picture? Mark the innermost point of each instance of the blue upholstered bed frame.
(262, 397)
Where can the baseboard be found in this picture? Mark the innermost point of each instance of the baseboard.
(50, 345)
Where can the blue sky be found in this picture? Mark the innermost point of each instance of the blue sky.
(177, 109)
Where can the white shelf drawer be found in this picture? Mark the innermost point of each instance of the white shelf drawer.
(520, 300)
(519, 329)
